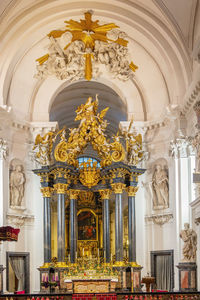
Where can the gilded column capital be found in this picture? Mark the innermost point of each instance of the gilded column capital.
(60, 188)
(118, 187)
(105, 194)
(132, 190)
(73, 194)
(46, 191)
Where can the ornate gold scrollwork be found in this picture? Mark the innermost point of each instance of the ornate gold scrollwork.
(90, 174)
(46, 191)
(118, 153)
(91, 130)
(60, 152)
(89, 34)
(60, 188)
(118, 187)
(132, 190)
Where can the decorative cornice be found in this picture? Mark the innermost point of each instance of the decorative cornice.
(3, 149)
(159, 219)
(191, 98)
(19, 220)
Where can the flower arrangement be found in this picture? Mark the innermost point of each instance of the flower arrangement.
(50, 283)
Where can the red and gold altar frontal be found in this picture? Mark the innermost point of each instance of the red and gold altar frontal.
(85, 191)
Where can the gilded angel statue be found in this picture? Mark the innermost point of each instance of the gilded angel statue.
(44, 146)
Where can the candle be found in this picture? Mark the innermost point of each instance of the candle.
(83, 251)
(98, 252)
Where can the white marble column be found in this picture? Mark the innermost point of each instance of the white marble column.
(183, 156)
(3, 177)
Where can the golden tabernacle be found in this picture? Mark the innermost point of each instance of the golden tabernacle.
(89, 243)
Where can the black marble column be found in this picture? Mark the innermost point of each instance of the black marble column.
(118, 188)
(46, 191)
(73, 225)
(106, 228)
(61, 228)
(131, 223)
(118, 228)
(61, 189)
(105, 195)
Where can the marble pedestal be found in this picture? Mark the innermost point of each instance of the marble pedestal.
(187, 276)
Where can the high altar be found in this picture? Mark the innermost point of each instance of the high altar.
(82, 187)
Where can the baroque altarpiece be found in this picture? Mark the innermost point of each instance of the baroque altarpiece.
(82, 187)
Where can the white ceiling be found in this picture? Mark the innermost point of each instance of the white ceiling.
(161, 33)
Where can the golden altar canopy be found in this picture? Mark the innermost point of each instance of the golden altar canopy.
(125, 147)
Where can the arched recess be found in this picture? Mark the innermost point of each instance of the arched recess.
(66, 102)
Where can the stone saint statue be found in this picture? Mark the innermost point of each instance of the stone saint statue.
(160, 188)
(17, 182)
(189, 238)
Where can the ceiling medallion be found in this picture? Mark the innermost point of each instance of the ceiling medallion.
(79, 50)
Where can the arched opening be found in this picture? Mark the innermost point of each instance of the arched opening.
(66, 102)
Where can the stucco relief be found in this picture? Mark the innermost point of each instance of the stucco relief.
(3, 149)
(70, 63)
(189, 238)
(17, 183)
(160, 187)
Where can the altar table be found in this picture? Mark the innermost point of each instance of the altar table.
(91, 285)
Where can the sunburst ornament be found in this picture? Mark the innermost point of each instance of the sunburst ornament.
(88, 32)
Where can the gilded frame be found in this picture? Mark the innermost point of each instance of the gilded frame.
(97, 227)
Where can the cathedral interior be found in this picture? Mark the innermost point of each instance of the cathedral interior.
(99, 146)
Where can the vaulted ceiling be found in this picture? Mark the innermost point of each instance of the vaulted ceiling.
(162, 35)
